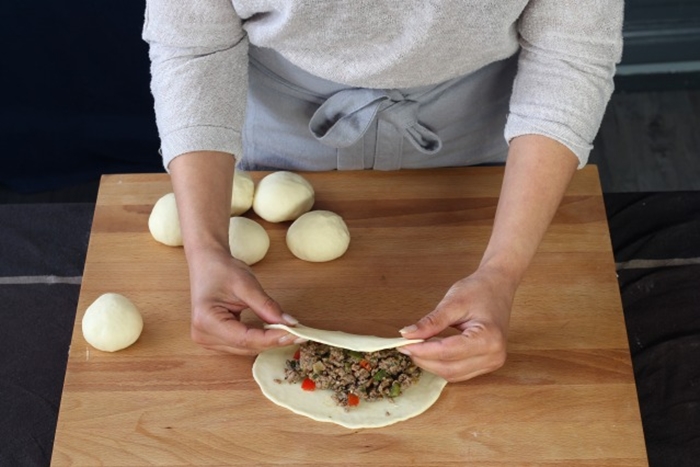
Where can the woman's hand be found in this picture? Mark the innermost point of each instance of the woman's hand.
(538, 170)
(221, 288)
(479, 306)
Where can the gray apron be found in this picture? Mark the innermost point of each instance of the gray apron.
(297, 121)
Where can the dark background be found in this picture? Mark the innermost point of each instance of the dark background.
(75, 93)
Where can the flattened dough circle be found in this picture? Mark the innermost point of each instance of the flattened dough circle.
(268, 372)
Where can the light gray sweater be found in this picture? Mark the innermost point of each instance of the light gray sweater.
(198, 51)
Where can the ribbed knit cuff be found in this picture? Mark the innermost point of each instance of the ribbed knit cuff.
(200, 138)
(518, 126)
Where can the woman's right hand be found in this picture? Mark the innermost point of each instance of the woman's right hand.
(221, 288)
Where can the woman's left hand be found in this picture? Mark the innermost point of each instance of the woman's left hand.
(479, 306)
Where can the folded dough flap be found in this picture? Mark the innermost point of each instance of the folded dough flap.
(344, 340)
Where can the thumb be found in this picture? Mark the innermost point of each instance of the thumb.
(268, 309)
(430, 325)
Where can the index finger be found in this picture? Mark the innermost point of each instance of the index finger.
(445, 349)
(244, 340)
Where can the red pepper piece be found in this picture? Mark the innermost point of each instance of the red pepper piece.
(365, 364)
(353, 400)
(297, 354)
(308, 384)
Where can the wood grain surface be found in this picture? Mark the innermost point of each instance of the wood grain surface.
(565, 397)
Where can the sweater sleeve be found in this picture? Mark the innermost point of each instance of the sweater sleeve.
(569, 50)
(199, 66)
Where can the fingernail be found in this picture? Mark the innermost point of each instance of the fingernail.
(403, 351)
(290, 319)
(411, 328)
(285, 339)
(300, 340)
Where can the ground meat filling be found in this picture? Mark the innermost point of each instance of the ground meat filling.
(368, 375)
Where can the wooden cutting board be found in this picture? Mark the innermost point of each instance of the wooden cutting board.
(565, 397)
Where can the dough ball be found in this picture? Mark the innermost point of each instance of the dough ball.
(243, 190)
(318, 236)
(248, 240)
(112, 323)
(164, 223)
(283, 196)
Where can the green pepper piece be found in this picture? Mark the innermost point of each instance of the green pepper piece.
(395, 390)
(378, 376)
(355, 355)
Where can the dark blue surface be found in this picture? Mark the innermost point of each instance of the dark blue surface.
(36, 321)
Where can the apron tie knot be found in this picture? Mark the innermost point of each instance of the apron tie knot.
(345, 117)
